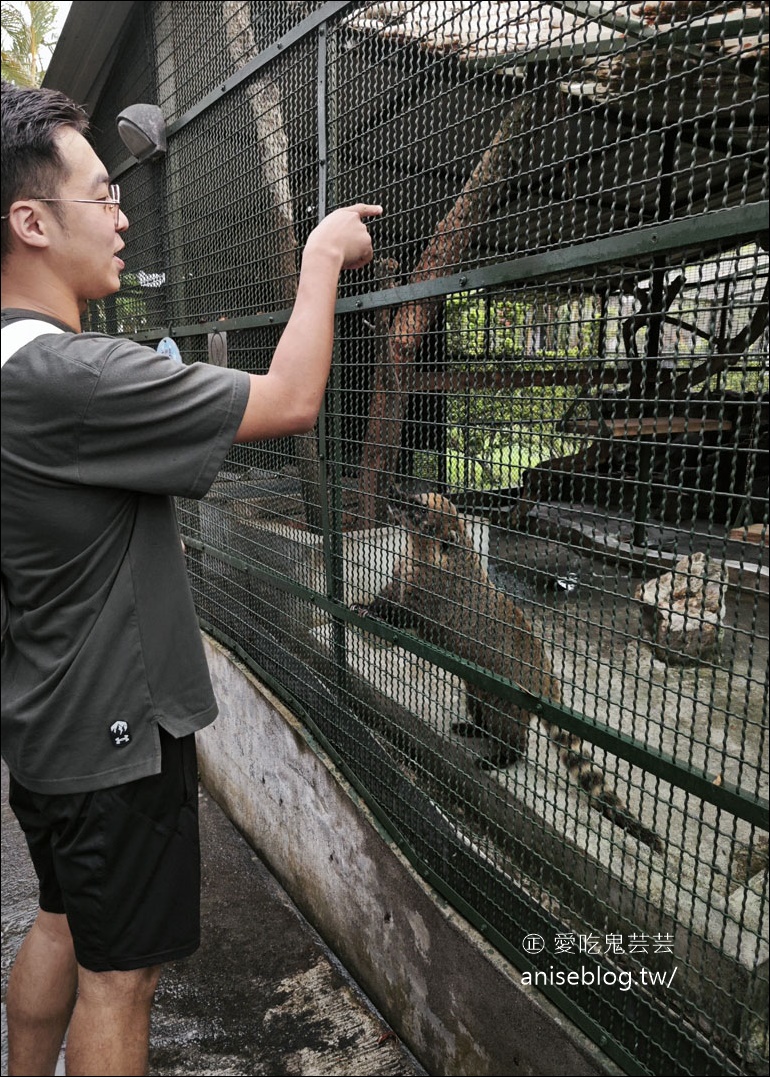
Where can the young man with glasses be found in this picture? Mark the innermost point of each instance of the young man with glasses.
(105, 680)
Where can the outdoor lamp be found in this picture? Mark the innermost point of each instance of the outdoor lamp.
(142, 129)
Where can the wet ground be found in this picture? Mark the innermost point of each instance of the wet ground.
(263, 995)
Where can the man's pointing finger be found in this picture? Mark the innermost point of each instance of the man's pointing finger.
(365, 210)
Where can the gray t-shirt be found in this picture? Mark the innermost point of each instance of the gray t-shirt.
(103, 644)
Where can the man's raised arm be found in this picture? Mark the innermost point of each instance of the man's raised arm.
(288, 398)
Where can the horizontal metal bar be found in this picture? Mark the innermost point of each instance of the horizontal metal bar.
(248, 321)
(687, 38)
(278, 48)
(506, 914)
(297, 33)
(622, 42)
(751, 808)
(530, 917)
(692, 32)
(736, 224)
(653, 240)
(612, 18)
(731, 24)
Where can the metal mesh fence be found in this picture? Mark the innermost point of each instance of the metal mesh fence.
(517, 578)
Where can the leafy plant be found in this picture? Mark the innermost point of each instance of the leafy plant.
(28, 40)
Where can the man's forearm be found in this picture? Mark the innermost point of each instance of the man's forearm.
(303, 356)
(287, 399)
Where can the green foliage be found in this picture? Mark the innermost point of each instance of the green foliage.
(131, 305)
(542, 327)
(495, 435)
(751, 378)
(28, 40)
(124, 313)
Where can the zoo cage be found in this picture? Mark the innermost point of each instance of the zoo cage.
(560, 351)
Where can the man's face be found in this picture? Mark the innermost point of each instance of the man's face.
(87, 241)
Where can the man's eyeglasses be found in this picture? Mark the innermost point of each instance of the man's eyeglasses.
(112, 201)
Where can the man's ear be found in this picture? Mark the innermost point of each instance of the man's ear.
(28, 225)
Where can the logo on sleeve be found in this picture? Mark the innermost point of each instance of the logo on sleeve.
(120, 734)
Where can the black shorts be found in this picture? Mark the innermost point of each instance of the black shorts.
(122, 863)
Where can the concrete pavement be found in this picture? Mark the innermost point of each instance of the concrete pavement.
(263, 995)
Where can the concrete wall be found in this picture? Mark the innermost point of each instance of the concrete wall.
(456, 1003)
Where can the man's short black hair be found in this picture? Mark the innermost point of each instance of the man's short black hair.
(31, 162)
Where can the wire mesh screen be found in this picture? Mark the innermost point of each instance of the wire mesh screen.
(517, 578)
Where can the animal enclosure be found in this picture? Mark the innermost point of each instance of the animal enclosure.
(562, 341)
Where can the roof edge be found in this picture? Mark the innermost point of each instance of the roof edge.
(81, 60)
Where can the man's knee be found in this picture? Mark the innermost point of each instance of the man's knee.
(135, 987)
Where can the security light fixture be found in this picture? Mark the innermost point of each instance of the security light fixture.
(142, 129)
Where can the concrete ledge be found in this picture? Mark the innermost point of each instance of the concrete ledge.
(457, 1004)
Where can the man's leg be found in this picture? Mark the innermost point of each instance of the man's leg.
(125, 862)
(41, 994)
(110, 1028)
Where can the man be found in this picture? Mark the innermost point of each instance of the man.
(104, 675)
